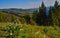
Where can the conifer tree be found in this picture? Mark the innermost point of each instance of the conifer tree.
(56, 12)
(59, 14)
(53, 14)
(56, 4)
(41, 17)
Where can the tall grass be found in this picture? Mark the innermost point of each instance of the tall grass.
(31, 31)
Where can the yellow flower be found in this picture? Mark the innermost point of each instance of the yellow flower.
(20, 25)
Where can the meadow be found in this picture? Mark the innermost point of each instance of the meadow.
(40, 22)
(32, 31)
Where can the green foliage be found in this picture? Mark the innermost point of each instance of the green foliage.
(56, 4)
(34, 15)
(23, 36)
(13, 30)
(52, 19)
(54, 14)
(27, 18)
(33, 31)
(22, 20)
(41, 16)
(6, 17)
(45, 30)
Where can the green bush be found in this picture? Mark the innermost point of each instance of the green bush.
(13, 30)
(45, 30)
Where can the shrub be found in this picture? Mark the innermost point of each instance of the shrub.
(23, 36)
(13, 30)
(45, 30)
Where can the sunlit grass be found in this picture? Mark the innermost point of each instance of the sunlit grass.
(31, 31)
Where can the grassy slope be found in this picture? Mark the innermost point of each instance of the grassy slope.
(37, 31)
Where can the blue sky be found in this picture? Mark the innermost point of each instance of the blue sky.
(25, 4)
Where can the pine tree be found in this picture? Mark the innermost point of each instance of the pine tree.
(34, 15)
(59, 14)
(56, 12)
(53, 14)
(41, 17)
(56, 7)
(56, 4)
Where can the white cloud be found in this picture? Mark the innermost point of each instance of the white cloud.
(38, 3)
(50, 2)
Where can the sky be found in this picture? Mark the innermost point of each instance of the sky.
(25, 4)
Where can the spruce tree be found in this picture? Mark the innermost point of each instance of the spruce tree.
(56, 4)
(41, 17)
(34, 15)
(59, 14)
(56, 12)
(51, 16)
(53, 13)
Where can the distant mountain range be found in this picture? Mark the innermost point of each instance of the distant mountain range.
(23, 11)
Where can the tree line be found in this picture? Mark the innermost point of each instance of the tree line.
(40, 17)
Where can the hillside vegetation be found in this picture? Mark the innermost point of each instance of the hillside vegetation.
(36, 25)
(29, 31)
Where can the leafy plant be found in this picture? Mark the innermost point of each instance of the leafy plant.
(45, 30)
(13, 30)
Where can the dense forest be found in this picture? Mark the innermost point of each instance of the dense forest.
(53, 17)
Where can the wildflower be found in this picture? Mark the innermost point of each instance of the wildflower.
(21, 29)
(11, 34)
(20, 25)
